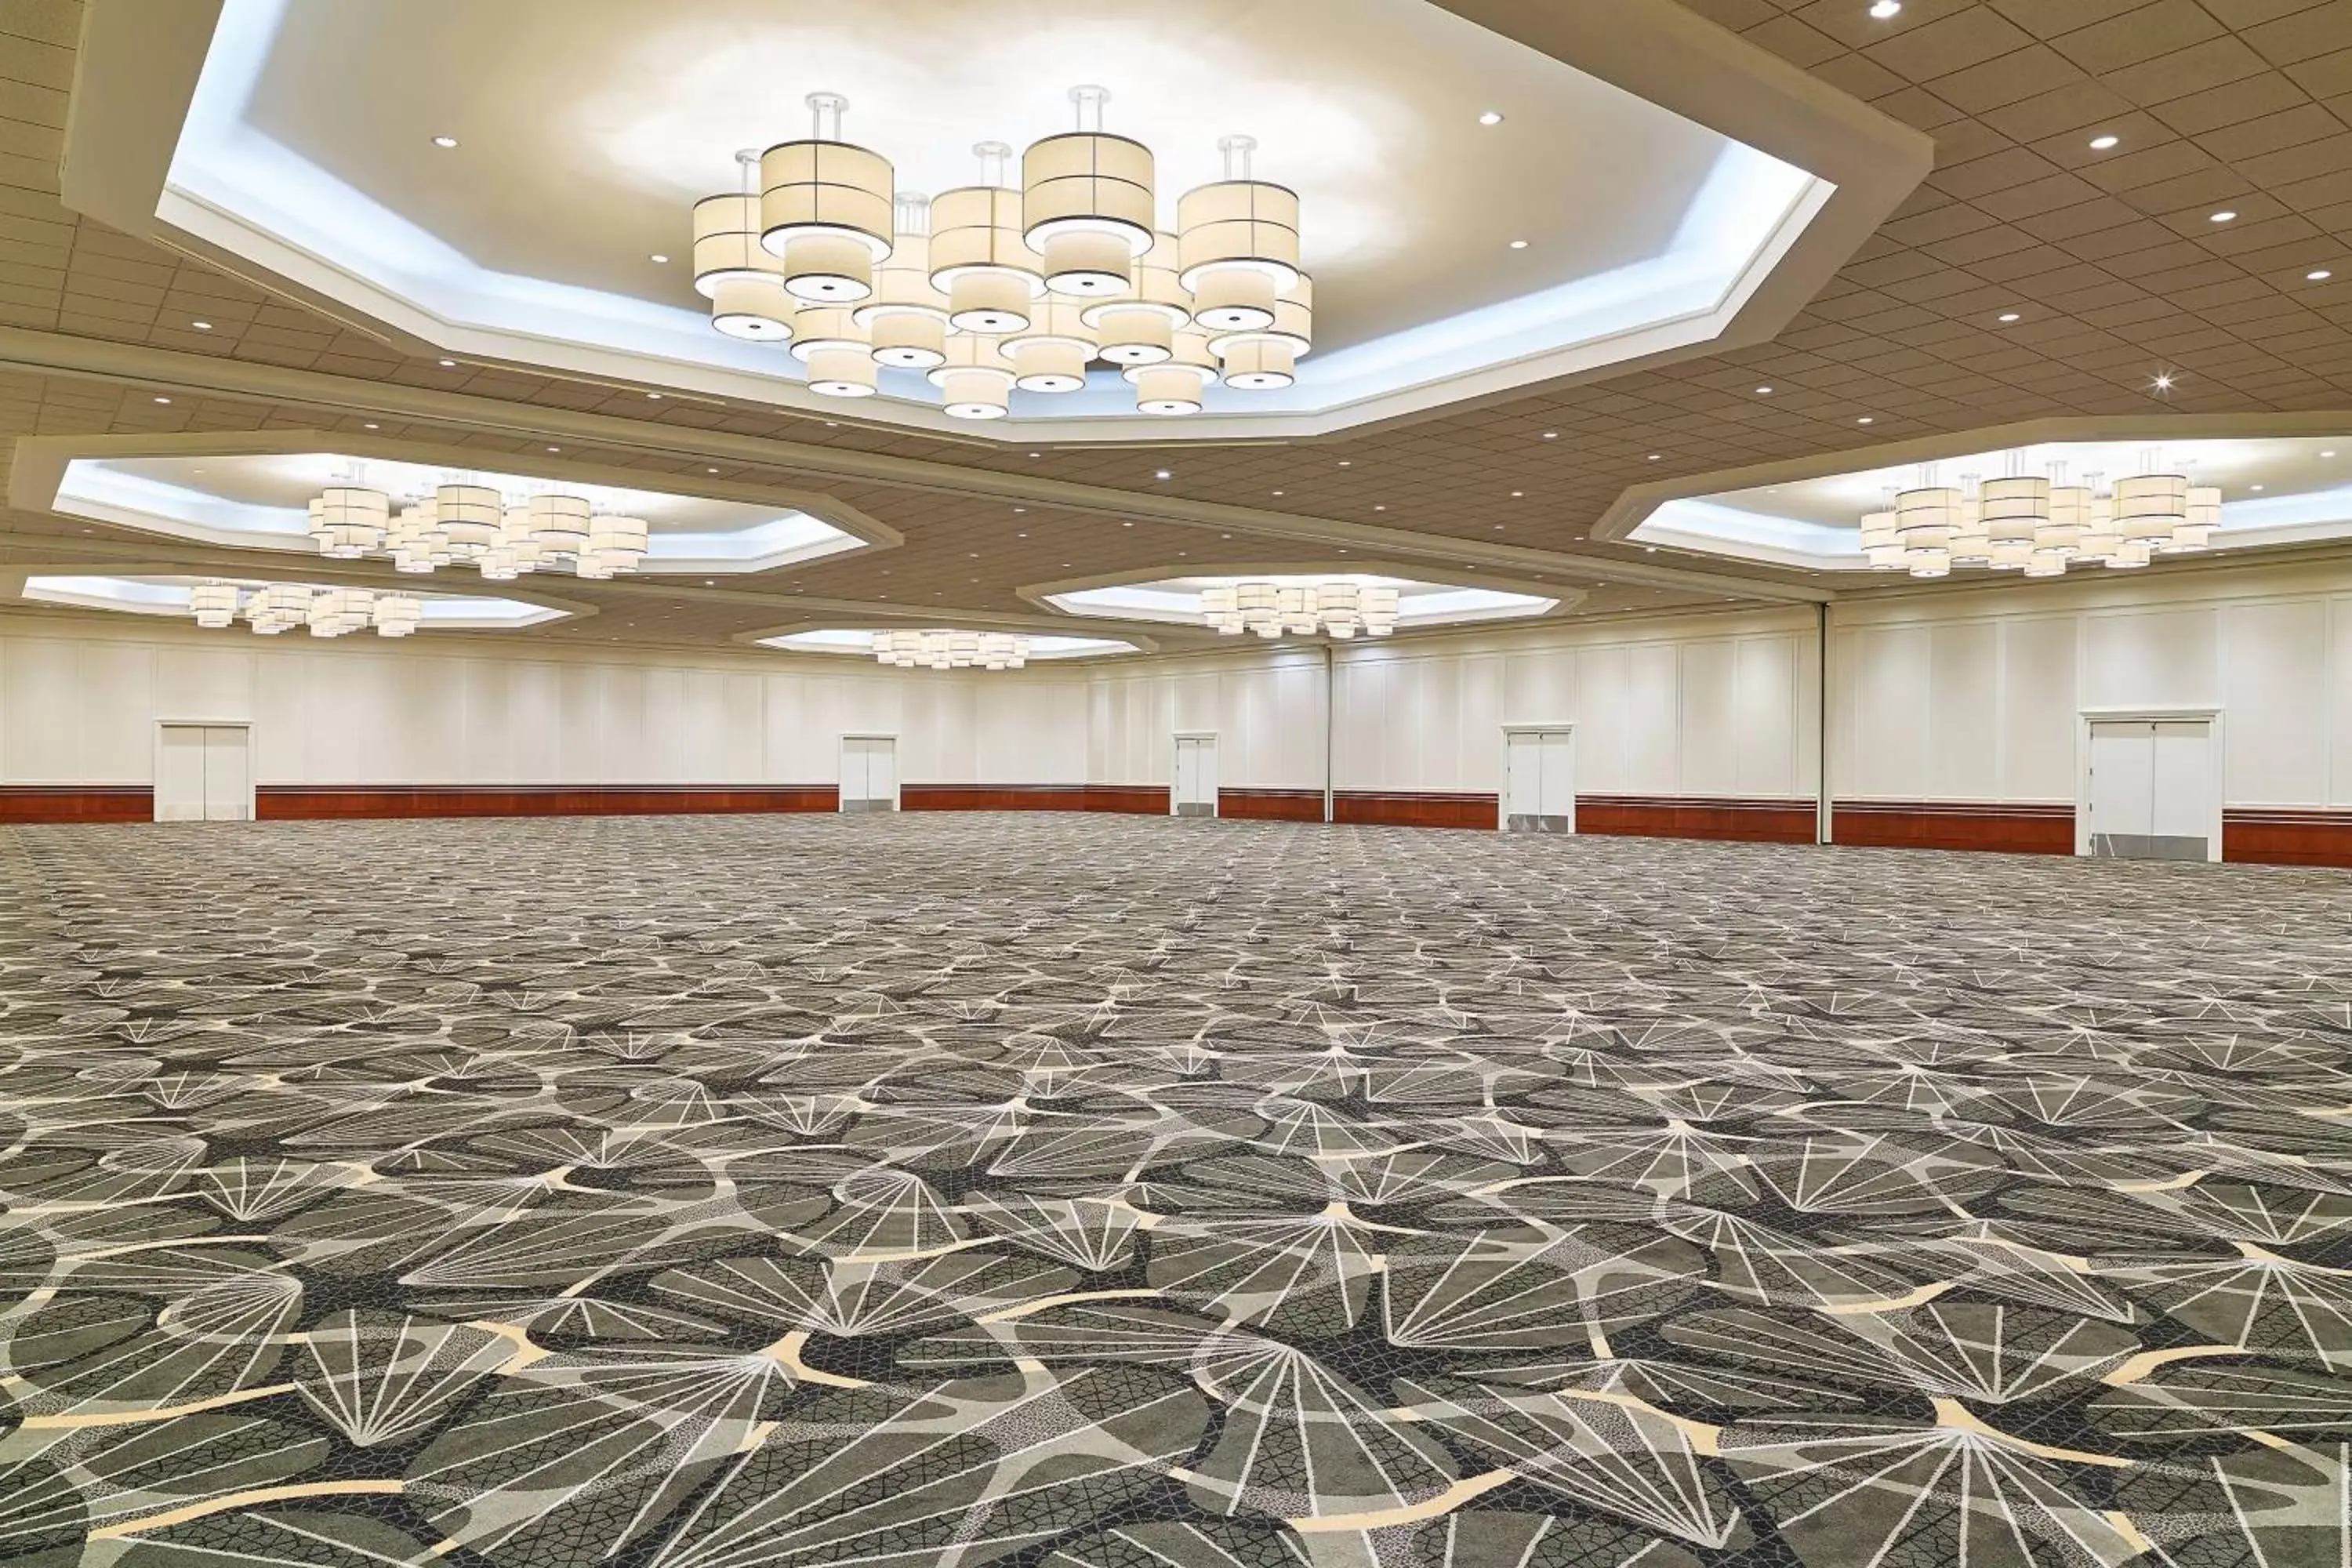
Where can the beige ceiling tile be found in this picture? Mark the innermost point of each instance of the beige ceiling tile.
(2324, 76)
(2193, 69)
(1793, 41)
(2143, 34)
(2303, 34)
(2049, 18)
(2230, 104)
(2010, 77)
(2059, 124)
(1952, 43)
(2001, 171)
(2288, 128)
(2311, 160)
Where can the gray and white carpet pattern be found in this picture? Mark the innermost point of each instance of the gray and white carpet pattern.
(1109, 1193)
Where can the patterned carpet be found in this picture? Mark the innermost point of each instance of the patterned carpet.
(1113, 1193)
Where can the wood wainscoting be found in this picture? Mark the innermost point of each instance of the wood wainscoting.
(1768, 820)
(2008, 828)
(282, 803)
(2279, 836)
(1134, 799)
(1271, 805)
(77, 803)
(1415, 808)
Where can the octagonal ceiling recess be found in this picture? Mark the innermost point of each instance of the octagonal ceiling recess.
(170, 596)
(259, 500)
(579, 149)
(2275, 490)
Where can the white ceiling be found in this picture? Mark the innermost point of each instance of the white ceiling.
(1419, 604)
(586, 127)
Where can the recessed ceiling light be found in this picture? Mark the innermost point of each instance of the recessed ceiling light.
(1551, 436)
(653, 397)
(1763, 392)
(2164, 381)
(2008, 316)
(710, 470)
(1346, 462)
(555, 449)
(2224, 216)
(1160, 473)
(660, 258)
(2318, 275)
(1278, 492)
(369, 427)
(2253, 487)
(1655, 457)
(1519, 495)
(1866, 420)
(2101, 143)
(448, 364)
(1883, 9)
(1518, 244)
(162, 400)
(1492, 117)
(2327, 453)
(445, 141)
(202, 326)
(1375, 509)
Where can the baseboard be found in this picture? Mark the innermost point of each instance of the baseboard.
(2266, 836)
(1139, 800)
(1415, 808)
(77, 803)
(2008, 828)
(1271, 805)
(1760, 820)
(283, 802)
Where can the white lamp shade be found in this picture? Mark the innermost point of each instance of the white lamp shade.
(559, 523)
(1238, 225)
(1178, 386)
(2149, 507)
(1052, 353)
(1086, 205)
(825, 209)
(213, 604)
(979, 260)
(1259, 364)
(468, 516)
(726, 244)
(752, 307)
(1926, 517)
(976, 379)
(1136, 327)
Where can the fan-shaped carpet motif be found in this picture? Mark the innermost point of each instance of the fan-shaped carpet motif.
(1100, 1193)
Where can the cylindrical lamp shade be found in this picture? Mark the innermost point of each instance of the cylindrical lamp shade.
(2098, 542)
(1137, 327)
(469, 518)
(213, 604)
(754, 308)
(2061, 536)
(726, 245)
(397, 615)
(979, 260)
(1087, 206)
(976, 381)
(560, 524)
(1293, 323)
(614, 536)
(837, 350)
(1260, 364)
(2204, 517)
(1178, 386)
(907, 318)
(2149, 507)
(1053, 352)
(1233, 231)
(348, 521)
(517, 539)
(824, 209)
(1926, 518)
(1882, 547)
(1377, 606)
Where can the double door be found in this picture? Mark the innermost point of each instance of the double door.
(2150, 795)
(1539, 781)
(204, 773)
(1195, 792)
(869, 773)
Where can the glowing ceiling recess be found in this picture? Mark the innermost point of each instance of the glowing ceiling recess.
(505, 184)
(987, 288)
(270, 608)
(947, 648)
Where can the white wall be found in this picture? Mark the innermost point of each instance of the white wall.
(1976, 695)
(1719, 705)
(1965, 694)
(79, 698)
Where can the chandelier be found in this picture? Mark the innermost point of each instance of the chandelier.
(1273, 609)
(325, 612)
(2039, 526)
(951, 649)
(476, 525)
(991, 286)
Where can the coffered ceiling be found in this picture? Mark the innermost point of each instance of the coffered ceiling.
(2110, 261)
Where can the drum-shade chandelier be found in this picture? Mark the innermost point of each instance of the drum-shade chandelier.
(994, 286)
(946, 649)
(478, 525)
(1275, 609)
(325, 612)
(2039, 525)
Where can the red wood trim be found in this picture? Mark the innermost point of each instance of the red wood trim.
(2264, 835)
(1414, 808)
(1271, 805)
(1146, 800)
(77, 803)
(279, 803)
(1771, 820)
(2008, 828)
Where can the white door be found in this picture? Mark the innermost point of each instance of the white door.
(2150, 795)
(869, 773)
(1196, 777)
(228, 778)
(1539, 781)
(203, 773)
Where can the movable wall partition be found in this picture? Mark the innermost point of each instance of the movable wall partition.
(1954, 718)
